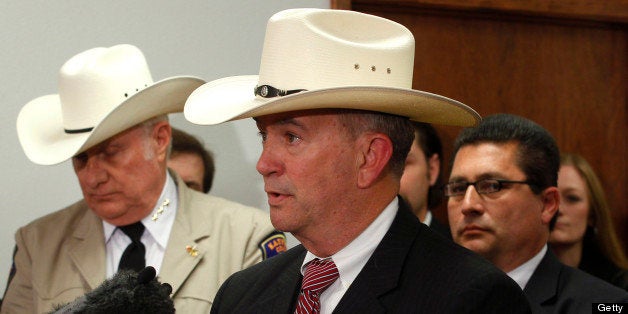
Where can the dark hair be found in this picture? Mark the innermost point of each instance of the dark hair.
(185, 143)
(537, 154)
(397, 128)
(429, 142)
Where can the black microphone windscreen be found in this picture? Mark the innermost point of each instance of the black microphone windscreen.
(146, 275)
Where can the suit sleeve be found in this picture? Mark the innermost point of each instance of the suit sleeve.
(18, 297)
(491, 294)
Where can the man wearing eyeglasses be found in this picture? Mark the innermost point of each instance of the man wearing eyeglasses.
(502, 200)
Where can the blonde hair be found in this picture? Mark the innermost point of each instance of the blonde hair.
(599, 211)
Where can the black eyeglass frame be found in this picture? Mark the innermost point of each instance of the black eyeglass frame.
(500, 185)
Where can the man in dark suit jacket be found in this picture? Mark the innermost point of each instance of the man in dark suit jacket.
(413, 270)
(502, 201)
(335, 135)
(558, 288)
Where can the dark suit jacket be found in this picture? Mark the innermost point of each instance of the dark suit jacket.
(412, 270)
(440, 228)
(558, 288)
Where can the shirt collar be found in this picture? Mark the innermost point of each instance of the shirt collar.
(156, 228)
(351, 259)
(522, 274)
(428, 217)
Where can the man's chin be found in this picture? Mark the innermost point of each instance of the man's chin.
(107, 212)
(281, 220)
(476, 245)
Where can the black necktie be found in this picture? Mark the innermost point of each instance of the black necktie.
(133, 256)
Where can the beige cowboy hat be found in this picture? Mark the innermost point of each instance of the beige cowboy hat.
(319, 58)
(102, 92)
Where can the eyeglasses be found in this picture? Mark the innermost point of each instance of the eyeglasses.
(485, 186)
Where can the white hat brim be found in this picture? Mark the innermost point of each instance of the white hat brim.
(232, 98)
(44, 140)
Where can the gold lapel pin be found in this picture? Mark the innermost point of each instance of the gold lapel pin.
(192, 250)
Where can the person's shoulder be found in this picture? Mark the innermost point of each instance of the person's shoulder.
(227, 204)
(572, 280)
(55, 228)
(217, 213)
(268, 269)
(435, 256)
(278, 275)
(59, 218)
(444, 251)
(222, 206)
(194, 202)
(266, 273)
(620, 278)
(570, 290)
(440, 267)
(595, 263)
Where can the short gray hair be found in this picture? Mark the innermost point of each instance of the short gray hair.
(399, 129)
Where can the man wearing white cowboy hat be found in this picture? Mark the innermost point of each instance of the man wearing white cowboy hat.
(332, 103)
(111, 120)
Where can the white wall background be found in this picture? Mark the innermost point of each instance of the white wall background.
(209, 39)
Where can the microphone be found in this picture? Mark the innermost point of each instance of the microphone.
(126, 292)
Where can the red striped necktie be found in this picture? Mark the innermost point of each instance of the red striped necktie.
(319, 275)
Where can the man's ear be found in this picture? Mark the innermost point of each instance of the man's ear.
(433, 168)
(376, 151)
(551, 202)
(162, 134)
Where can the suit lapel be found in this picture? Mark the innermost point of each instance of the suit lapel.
(383, 270)
(543, 285)
(283, 297)
(87, 249)
(184, 242)
(178, 264)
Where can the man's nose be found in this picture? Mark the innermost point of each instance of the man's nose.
(94, 172)
(472, 202)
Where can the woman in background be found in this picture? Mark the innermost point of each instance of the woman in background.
(584, 236)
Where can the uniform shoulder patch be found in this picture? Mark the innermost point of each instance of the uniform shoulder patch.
(273, 244)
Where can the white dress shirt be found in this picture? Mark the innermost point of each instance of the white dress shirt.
(428, 218)
(521, 275)
(156, 234)
(352, 258)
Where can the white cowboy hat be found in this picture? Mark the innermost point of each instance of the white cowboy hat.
(319, 58)
(102, 92)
